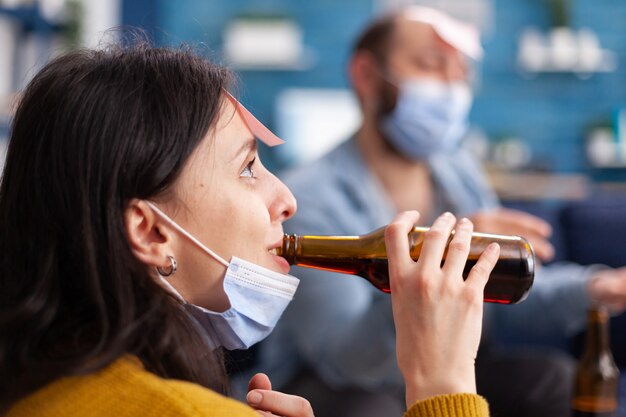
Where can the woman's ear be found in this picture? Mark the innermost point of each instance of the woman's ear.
(150, 239)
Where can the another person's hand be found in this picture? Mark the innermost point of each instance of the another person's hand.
(608, 288)
(505, 221)
(273, 403)
(438, 316)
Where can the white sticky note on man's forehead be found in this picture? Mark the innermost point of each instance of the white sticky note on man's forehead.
(255, 127)
(460, 35)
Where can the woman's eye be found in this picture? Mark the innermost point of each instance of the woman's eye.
(248, 171)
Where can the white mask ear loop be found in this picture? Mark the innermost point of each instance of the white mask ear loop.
(185, 233)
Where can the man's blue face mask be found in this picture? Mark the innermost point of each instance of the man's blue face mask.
(430, 117)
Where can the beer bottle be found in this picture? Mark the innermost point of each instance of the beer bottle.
(366, 256)
(597, 376)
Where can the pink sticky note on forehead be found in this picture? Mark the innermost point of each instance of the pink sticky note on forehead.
(460, 35)
(257, 128)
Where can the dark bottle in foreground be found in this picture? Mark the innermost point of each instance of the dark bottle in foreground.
(597, 376)
(366, 256)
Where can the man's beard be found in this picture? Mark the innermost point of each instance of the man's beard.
(388, 97)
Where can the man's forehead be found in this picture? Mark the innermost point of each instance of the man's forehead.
(430, 23)
(413, 34)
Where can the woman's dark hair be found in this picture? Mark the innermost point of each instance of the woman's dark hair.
(93, 130)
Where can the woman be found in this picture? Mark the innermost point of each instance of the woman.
(131, 193)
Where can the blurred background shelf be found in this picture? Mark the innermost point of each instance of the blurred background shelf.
(34, 31)
(542, 123)
(538, 186)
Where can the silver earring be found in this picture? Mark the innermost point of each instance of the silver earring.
(172, 269)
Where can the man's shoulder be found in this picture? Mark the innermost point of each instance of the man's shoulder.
(323, 174)
(330, 193)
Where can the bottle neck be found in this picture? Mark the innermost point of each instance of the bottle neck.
(304, 248)
(597, 340)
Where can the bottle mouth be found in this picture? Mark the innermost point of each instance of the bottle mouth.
(598, 314)
(288, 249)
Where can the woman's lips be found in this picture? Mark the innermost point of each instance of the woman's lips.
(281, 262)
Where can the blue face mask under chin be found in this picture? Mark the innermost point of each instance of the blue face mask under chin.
(258, 296)
(430, 117)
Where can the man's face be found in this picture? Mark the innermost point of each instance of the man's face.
(416, 51)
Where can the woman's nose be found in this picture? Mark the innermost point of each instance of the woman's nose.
(284, 204)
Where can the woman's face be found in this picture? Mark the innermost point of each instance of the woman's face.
(230, 202)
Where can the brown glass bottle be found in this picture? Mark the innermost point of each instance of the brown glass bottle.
(366, 256)
(597, 376)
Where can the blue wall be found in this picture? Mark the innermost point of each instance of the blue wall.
(328, 27)
(550, 111)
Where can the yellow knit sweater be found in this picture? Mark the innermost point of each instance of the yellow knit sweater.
(126, 389)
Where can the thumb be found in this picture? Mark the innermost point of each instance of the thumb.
(259, 381)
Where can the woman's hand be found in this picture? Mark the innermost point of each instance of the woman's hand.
(273, 403)
(438, 316)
